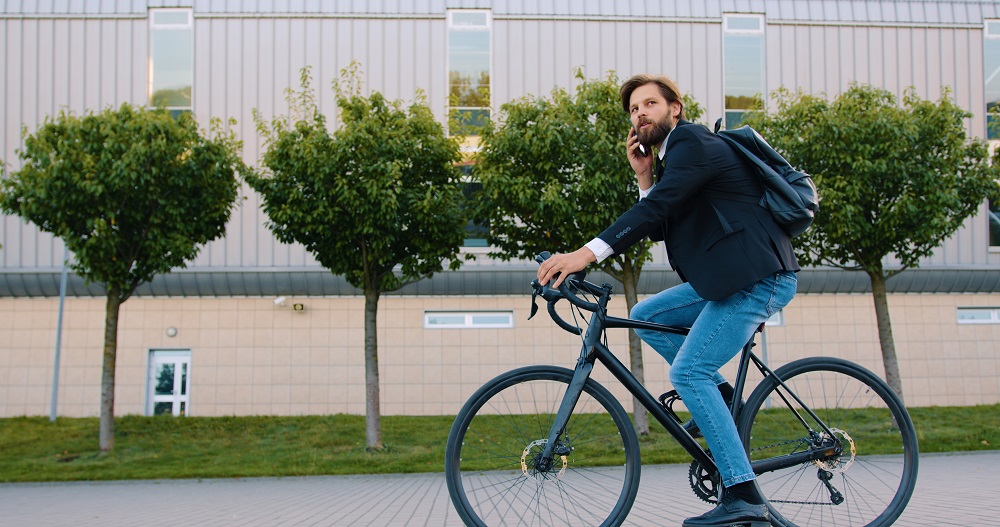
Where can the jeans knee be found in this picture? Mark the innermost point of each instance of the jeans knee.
(679, 375)
(639, 313)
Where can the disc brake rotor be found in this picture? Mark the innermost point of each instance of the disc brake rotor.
(529, 459)
(842, 462)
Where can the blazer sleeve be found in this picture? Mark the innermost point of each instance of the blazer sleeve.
(686, 170)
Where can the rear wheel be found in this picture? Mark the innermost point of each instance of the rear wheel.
(865, 461)
(492, 462)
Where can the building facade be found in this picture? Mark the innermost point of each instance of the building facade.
(254, 326)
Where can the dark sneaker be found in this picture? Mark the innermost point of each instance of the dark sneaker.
(732, 511)
(692, 428)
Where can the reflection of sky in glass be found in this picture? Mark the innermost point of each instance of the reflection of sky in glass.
(744, 69)
(743, 23)
(170, 17)
(460, 18)
(173, 59)
(469, 52)
(992, 70)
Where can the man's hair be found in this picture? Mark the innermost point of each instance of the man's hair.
(668, 88)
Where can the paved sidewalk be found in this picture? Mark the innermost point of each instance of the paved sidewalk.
(952, 490)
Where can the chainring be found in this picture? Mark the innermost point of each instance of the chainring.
(705, 486)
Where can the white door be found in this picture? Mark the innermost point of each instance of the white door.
(168, 382)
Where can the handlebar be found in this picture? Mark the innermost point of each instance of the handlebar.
(553, 295)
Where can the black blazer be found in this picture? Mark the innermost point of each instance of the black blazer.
(718, 245)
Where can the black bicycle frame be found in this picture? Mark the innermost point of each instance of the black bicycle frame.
(594, 350)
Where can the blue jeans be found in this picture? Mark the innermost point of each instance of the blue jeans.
(719, 329)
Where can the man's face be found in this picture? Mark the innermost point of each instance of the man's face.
(652, 116)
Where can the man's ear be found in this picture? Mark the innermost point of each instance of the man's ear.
(675, 109)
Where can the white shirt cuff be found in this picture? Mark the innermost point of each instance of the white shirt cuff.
(644, 193)
(600, 248)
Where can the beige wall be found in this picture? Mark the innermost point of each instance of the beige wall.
(251, 357)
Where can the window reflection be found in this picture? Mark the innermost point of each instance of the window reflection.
(171, 59)
(994, 218)
(991, 59)
(743, 69)
(468, 71)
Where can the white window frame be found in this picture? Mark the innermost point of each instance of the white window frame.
(182, 394)
(189, 23)
(468, 319)
(484, 27)
(154, 26)
(994, 313)
(727, 18)
(488, 27)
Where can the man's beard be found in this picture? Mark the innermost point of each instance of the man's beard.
(655, 135)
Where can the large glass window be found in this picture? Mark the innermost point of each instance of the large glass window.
(991, 57)
(994, 219)
(171, 59)
(475, 233)
(743, 70)
(468, 70)
(468, 319)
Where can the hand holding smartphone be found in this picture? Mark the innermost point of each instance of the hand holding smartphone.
(641, 151)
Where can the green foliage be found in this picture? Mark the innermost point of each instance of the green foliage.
(693, 110)
(554, 171)
(894, 179)
(34, 449)
(381, 191)
(132, 192)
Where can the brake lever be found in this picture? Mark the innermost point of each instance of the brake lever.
(534, 294)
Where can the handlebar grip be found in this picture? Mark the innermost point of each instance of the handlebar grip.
(563, 288)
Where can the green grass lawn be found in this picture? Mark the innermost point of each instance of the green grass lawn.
(34, 449)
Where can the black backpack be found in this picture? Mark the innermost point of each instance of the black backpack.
(789, 194)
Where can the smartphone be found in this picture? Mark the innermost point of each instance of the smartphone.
(641, 151)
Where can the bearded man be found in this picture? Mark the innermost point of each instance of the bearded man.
(736, 264)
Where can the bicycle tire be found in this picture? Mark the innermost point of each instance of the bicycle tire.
(877, 470)
(488, 457)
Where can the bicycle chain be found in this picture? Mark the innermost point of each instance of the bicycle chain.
(792, 502)
(789, 442)
(802, 502)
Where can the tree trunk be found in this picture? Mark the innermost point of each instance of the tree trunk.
(373, 419)
(630, 283)
(886, 341)
(107, 426)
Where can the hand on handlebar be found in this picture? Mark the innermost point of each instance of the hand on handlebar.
(564, 265)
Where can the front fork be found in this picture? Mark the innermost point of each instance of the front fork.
(566, 407)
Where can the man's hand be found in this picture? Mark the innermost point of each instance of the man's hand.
(564, 265)
(643, 166)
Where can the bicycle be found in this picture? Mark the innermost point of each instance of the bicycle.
(830, 442)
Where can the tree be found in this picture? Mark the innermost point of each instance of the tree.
(894, 180)
(379, 201)
(132, 193)
(554, 175)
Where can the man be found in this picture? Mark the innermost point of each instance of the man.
(736, 263)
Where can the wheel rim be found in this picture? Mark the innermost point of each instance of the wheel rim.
(867, 482)
(591, 478)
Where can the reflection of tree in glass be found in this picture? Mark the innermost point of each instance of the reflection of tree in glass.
(163, 408)
(994, 224)
(463, 91)
(744, 102)
(165, 380)
(172, 97)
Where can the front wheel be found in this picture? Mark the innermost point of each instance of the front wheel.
(492, 460)
(858, 471)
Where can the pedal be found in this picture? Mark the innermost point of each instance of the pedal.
(667, 401)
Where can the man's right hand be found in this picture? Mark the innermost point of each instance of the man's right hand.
(642, 165)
